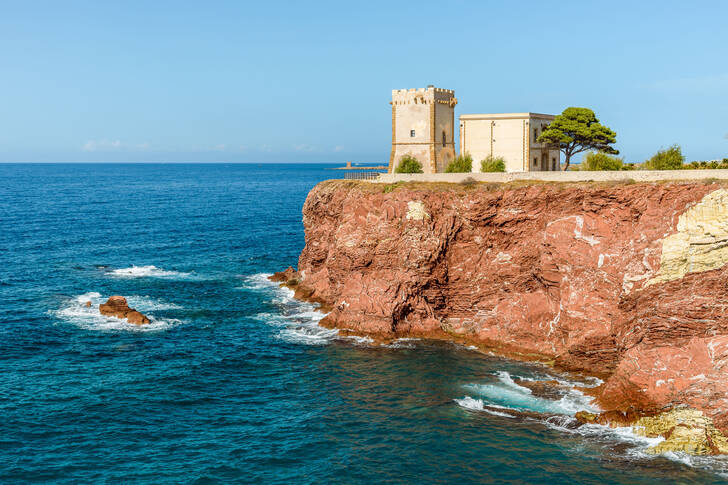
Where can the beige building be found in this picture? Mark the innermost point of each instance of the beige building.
(423, 125)
(511, 136)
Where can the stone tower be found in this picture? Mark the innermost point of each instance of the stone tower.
(423, 125)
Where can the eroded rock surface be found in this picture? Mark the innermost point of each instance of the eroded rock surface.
(116, 306)
(624, 281)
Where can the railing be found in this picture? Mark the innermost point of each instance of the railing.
(361, 175)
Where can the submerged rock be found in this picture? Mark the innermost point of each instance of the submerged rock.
(116, 306)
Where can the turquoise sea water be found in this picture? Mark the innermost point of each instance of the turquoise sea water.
(233, 381)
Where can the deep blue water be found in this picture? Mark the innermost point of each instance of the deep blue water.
(233, 381)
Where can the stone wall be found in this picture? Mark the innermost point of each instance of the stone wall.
(581, 176)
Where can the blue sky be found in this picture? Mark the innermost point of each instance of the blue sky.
(311, 81)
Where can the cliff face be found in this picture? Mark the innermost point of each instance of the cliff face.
(623, 281)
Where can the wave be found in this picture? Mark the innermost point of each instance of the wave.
(506, 396)
(77, 313)
(477, 405)
(509, 394)
(298, 320)
(149, 271)
(402, 343)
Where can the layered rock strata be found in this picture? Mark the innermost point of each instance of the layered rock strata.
(625, 281)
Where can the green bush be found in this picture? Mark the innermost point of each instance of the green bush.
(669, 159)
(461, 164)
(493, 164)
(408, 164)
(712, 164)
(601, 161)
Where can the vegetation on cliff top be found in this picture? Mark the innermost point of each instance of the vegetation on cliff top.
(461, 164)
(408, 164)
(577, 130)
(493, 164)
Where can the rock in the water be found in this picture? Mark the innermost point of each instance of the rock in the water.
(289, 276)
(88, 303)
(116, 306)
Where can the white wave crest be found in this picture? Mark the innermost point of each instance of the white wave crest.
(77, 313)
(509, 394)
(299, 320)
(402, 343)
(468, 402)
(149, 271)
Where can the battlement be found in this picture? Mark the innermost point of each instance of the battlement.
(422, 90)
(426, 95)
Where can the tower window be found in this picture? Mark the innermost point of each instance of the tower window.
(535, 134)
(444, 139)
(412, 133)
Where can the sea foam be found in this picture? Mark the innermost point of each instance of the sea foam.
(149, 271)
(77, 313)
(298, 320)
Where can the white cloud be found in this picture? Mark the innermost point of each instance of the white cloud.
(107, 145)
(101, 145)
(303, 148)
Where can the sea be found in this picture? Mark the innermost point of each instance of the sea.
(233, 381)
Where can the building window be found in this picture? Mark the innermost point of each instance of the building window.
(412, 133)
(553, 163)
(444, 139)
(535, 135)
(535, 162)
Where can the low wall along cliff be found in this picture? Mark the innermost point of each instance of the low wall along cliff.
(621, 280)
(568, 176)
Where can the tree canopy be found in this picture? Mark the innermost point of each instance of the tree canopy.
(577, 130)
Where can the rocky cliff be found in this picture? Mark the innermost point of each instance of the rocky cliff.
(624, 281)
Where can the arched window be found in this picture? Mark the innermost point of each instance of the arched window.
(444, 139)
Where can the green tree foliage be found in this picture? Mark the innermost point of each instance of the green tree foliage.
(602, 161)
(461, 164)
(709, 165)
(408, 164)
(577, 130)
(668, 159)
(493, 164)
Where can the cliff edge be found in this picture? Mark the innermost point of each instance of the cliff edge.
(621, 280)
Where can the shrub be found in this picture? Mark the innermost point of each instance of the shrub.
(601, 161)
(408, 164)
(723, 164)
(461, 164)
(669, 159)
(493, 164)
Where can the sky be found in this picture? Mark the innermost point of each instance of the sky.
(271, 81)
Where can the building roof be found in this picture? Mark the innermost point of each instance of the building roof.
(506, 116)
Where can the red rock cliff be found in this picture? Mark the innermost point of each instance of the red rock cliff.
(625, 281)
